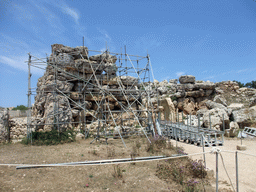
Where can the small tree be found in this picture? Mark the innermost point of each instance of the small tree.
(251, 84)
(239, 83)
(20, 107)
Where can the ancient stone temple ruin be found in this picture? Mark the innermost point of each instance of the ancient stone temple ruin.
(99, 92)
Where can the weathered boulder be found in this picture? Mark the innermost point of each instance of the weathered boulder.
(252, 101)
(110, 68)
(87, 66)
(129, 80)
(205, 85)
(236, 106)
(211, 105)
(199, 93)
(215, 115)
(162, 90)
(79, 136)
(220, 99)
(187, 105)
(76, 52)
(156, 82)
(59, 106)
(163, 83)
(169, 109)
(107, 58)
(243, 115)
(180, 94)
(173, 81)
(218, 90)
(172, 88)
(187, 79)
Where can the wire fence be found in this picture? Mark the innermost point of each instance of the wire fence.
(228, 165)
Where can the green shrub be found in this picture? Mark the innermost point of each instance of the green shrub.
(174, 98)
(51, 137)
(20, 107)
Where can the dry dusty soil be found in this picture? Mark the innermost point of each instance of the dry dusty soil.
(246, 163)
(134, 177)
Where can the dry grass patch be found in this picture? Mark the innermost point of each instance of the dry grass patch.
(142, 176)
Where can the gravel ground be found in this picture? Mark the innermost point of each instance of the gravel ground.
(246, 163)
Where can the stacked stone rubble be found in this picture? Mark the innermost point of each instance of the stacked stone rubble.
(75, 81)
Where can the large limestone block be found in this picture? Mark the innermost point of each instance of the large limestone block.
(236, 106)
(205, 86)
(245, 114)
(163, 83)
(49, 86)
(104, 58)
(110, 68)
(211, 105)
(187, 79)
(169, 109)
(76, 52)
(76, 95)
(199, 93)
(173, 81)
(3, 124)
(220, 99)
(87, 66)
(57, 109)
(216, 118)
(162, 90)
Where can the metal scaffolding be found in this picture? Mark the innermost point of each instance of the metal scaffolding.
(126, 88)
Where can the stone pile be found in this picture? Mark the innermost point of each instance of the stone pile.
(188, 95)
(217, 100)
(18, 128)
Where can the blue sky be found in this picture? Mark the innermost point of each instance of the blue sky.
(212, 40)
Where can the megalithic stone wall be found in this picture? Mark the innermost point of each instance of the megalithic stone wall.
(63, 88)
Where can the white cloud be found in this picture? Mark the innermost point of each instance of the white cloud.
(180, 73)
(71, 12)
(19, 63)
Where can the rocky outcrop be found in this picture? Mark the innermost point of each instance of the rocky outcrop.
(243, 115)
(3, 124)
(215, 117)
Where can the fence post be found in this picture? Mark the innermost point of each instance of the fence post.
(8, 127)
(210, 121)
(217, 171)
(198, 118)
(237, 186)
(178, 120)
(202, 139)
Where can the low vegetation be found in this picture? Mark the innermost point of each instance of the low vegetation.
(251, 84)
(50, 138)
(20, 107)
(179, 174)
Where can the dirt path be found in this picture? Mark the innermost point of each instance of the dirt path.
(246, 164)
